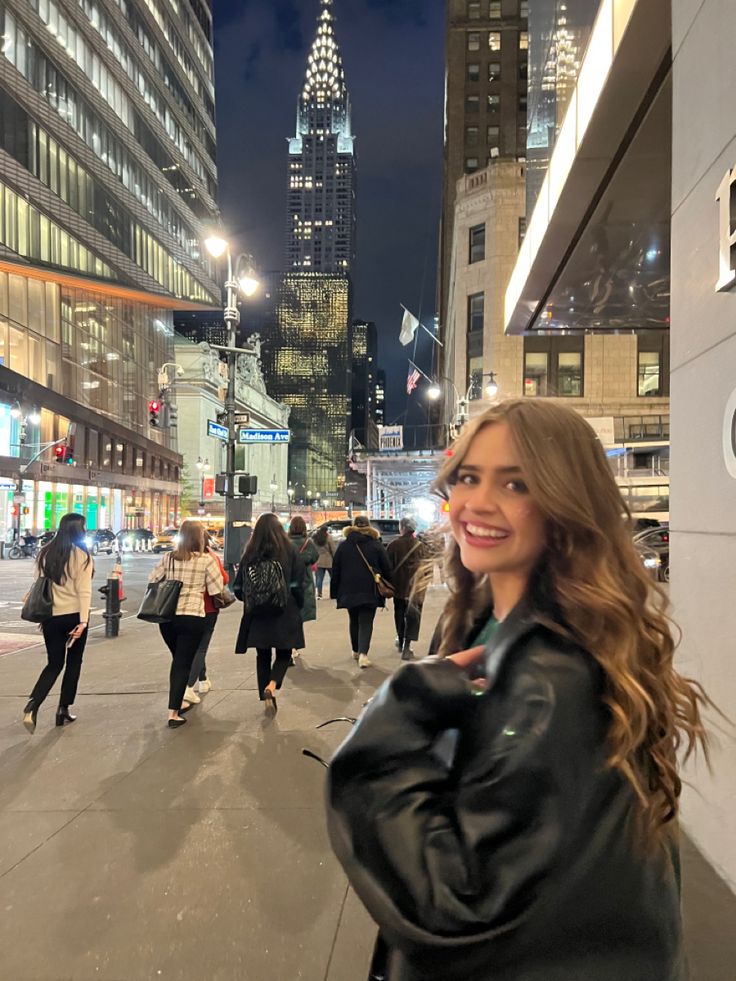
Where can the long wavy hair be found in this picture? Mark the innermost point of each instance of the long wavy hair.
(53, 559)
(590, 586)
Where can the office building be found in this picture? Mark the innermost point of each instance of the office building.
(485, 102)
(379, 398)
(107, 175)
(307, 358)
(364, 355)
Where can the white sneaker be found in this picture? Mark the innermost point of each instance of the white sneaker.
(355, 655)
(205, 686)
(364, 662)
(191, 696)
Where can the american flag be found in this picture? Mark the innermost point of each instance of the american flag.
(412, 379)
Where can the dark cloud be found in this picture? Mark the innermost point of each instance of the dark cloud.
(393, 56)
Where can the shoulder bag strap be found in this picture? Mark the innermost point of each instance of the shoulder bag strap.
(368, 565)
(407, 556)
(304, 545)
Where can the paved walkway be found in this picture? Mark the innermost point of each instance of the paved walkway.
(131, 852)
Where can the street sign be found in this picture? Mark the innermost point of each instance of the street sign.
(242, 418)
(263, 435)
(218, 431)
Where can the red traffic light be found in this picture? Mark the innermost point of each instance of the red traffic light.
(154, 406)
(59, 452)
(15, 510)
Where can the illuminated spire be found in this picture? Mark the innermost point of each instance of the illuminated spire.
(325, 78)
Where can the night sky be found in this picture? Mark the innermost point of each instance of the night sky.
(394, 65)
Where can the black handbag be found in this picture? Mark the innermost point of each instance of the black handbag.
(161, 598)
(38, 605)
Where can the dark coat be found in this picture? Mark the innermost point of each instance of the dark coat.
(308, 551)
(406, 554)
(278, 630)
(351, 581)
(511, 857)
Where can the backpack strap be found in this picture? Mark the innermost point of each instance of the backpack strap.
(407, 556)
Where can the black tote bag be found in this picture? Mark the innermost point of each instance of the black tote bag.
(161, 598)
(38, 605)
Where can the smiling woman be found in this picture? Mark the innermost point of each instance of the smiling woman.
(553, 809)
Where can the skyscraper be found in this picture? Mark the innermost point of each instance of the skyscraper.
(307, 361)
(107, 177)
(364, 355)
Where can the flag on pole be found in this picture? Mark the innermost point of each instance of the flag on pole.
(412, 379)
(409, 326)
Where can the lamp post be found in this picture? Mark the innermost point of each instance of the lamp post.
(273, 487)
(202, 466)
(290, 492)
(434, 392)
(244, 280)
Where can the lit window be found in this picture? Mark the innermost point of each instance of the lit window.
(649, 373)
(524, 8)
(524, 40)
(471, 164)
(476, 308)
(494, 9)
(494, 102)
(473, 41)
(494, 41)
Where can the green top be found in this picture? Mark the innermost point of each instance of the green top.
(485, 636)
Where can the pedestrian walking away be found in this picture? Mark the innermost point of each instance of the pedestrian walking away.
(270, 583)
(198, 674)
(68, 565)
(325, 554)
(309, 555)
(507, 809)
(199, 572)
(353, 583)
(407, 553)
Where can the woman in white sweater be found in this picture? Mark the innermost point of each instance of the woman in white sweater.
(67, 563)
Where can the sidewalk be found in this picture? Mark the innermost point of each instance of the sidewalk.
(131, 852)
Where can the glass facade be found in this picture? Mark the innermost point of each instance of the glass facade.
(308, 365)
(558, 34)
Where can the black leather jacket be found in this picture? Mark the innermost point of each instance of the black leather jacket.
(510, 855)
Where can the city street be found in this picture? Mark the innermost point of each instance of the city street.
(129, 852)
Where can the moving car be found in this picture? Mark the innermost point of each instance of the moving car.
(101, 540)
(656, 541)
(166, 540)
(135, 540)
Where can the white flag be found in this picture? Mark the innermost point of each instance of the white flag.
(408, 328)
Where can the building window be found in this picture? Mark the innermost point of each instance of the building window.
(474, 364)
(474, 73)
(524, 40)
(474, 10)
(524, 8)
(522, 229)
(653, 365)
(494, 134)
(553, 366)
(474, 41)
(472, 103)
(494, 40)
(477, 250)
(522, 102)
(494, 102)
(476, 307)
(494, 9)
(494, 71)
(471, 164)
(471, 136)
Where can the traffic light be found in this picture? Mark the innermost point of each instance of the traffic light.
(154, 413)
(173, 415)
(69, 441)
(60, 453)
(15, 510)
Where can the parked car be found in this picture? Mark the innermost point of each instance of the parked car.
(135, 540)
(166, 540)
(388, 528)
(650, 560)
(101, 540)
(656, 541)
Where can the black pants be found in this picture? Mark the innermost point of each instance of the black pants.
(361, 628)
(55, 634)
(408, 619)
(266, 672)
(199, 668)
(182, 636)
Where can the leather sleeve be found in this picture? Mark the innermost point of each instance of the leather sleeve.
(442, 857)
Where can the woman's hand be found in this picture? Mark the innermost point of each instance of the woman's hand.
(467, 660)
(77, 632)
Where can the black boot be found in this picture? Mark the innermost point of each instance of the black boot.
(63, 715)
(30, 713)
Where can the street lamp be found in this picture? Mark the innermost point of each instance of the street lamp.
(202, 466)
(273, 487)
(245, 280)
(434, 392)
(290, 492)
